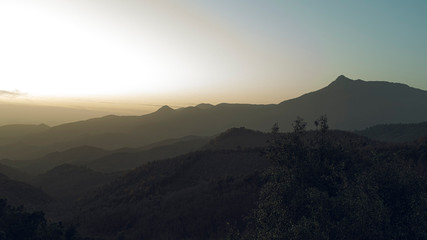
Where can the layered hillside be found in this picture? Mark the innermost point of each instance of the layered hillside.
(349, 104)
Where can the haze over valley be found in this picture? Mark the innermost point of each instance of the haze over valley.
(182, 119)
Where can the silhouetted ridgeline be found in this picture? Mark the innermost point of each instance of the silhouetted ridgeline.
(110, 161)
(69, 182)
(14, 173)
(19, 193)
(339, 179)
(349, 104)
(396, 132)
(350, 186)
(158, 176)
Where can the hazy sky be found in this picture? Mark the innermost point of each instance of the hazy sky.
(183, 52)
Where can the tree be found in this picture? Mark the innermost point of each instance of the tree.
(323, 189)
(17, 224)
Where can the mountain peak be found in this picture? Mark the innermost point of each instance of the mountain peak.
(164, 109)
(342, 77)
(204, 105)
(343, 81)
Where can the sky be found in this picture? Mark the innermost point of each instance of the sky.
(132, 56)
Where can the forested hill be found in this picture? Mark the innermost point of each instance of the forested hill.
(246, 184)
(335, 183)
(396, 132)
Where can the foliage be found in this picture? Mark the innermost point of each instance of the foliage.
(189, 197)
(322, 184)
(319, 188)
(395, 132)
(17, 224)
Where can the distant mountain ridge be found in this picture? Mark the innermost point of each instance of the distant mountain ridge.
(357, 104)
(348, 104)
(195, 192)
(395, 132)
(69, 182)
(102, 160)
(14, 113)
(19, 193)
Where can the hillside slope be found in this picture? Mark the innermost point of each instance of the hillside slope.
(349, 105)
(395, 132)
(196, 195)
(19, 193)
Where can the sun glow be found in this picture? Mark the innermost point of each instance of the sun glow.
(54, 54)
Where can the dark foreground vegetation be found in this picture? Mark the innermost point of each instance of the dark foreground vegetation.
(321, 187)
(305, 185)
(17, 224)
(318, 184)
(395, 132)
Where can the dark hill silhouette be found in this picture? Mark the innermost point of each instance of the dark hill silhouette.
(349, 105)
(357, 104)
(19, 193)
(109, 161)
(235, 138)
(204, 106)
(196, 194)
(129, 159)
(169, 142)
(164, 110)
(78, 155)
(15, 174)
(395, 132)
(238, 138)
(69, 182)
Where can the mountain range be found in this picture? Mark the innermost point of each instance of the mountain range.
(348, 104)
(199, 194)
(202, 189)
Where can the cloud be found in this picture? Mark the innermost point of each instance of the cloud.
(16, 93)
